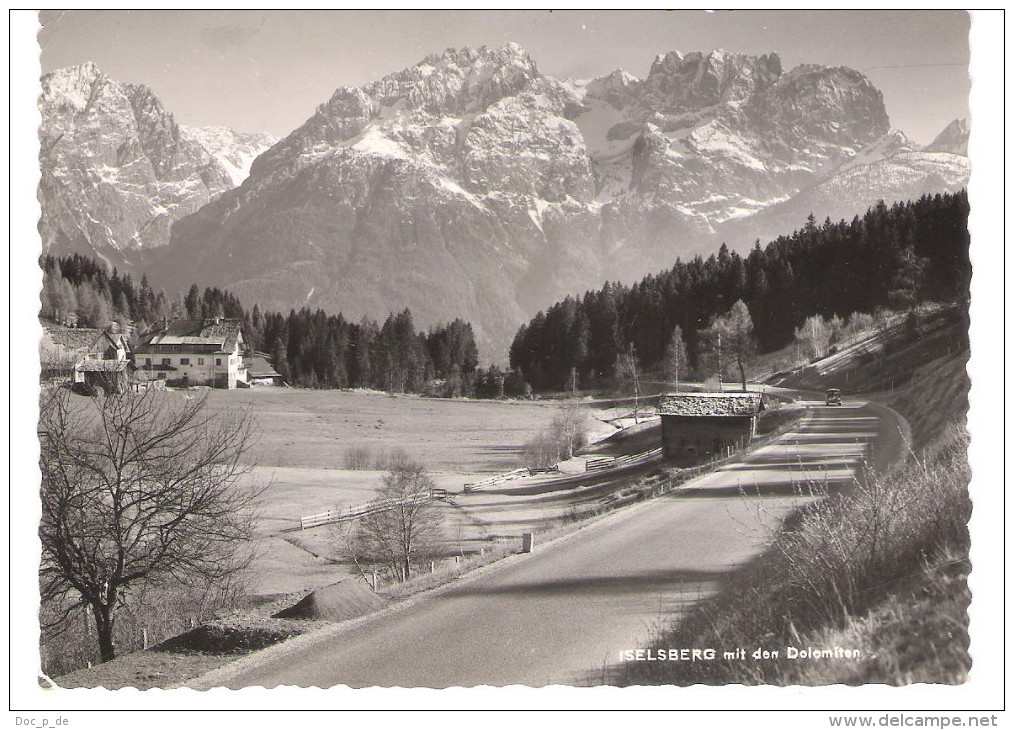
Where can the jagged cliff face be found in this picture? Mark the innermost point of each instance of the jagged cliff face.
(458, 187)
(471, 185)
(117, 171)
(724, 134)
(708, 139)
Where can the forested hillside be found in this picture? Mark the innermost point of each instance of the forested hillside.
(890, 257)
(309, 348)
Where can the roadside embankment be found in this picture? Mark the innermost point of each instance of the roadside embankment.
(872, 577)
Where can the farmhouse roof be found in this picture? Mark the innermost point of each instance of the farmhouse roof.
(259, 367)
(223, 333)
(710, 404)
(102, 366)
(78, 339)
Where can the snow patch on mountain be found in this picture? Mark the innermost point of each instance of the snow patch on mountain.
(235, 151)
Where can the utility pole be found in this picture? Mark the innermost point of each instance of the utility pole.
(720, 386)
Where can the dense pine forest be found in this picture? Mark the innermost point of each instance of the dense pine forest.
(309, 348)
(891, 257)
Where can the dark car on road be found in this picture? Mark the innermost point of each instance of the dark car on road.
(833, 397)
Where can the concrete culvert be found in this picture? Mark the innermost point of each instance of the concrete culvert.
(337, 602)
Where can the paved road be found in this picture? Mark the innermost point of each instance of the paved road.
(561, 614)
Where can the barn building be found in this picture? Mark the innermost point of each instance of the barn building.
(88, 358)
(697, 425)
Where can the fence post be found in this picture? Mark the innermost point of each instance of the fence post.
(144, 639)
(433, 566)
(374, 580)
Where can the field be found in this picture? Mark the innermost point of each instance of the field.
(304, 438)
(311, 429)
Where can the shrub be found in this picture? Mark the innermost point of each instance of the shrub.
(565, 435)
(359, 458)
(392, 458)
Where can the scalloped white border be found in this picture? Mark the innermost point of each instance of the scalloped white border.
(982, 692)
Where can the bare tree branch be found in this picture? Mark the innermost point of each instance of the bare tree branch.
(139, 488)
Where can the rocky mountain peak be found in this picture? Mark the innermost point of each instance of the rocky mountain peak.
(700, 79)
(116, 168)
(455, 82)
(615, 87)
(953, 139)
(415, 111)
(72, 86)
(836, 105)
(235, 151)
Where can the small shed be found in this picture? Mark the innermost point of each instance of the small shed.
(696, 425)
(260, 372)
(113, 376)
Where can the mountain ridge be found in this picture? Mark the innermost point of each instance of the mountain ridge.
(473, 184)
(117, 170)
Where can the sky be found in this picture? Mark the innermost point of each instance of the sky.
(266, 71)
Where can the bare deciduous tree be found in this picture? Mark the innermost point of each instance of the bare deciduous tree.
(138, 489)
(571, 428)
(816, 335)
(675, 361)
(405, 528)
(628, 369)
(566, 433)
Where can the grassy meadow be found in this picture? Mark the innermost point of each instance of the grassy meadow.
(321, 449)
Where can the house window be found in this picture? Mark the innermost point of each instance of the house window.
(200, 361)
(147, 361)
(165, 361)
(184, 361)
(218, 361)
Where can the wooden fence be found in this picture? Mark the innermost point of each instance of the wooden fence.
(608, 462)
(493, 481)
(370, 508)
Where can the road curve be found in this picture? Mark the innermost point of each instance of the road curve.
(561, 614)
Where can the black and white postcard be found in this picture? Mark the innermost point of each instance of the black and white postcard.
(487, 349)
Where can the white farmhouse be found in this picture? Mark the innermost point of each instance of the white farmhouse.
(187, 352)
